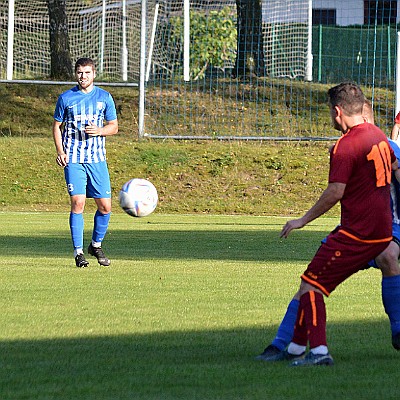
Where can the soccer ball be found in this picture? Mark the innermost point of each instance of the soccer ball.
(138, 197)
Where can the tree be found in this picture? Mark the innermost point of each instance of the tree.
(212, 38)
(61, 64)
(250, 52)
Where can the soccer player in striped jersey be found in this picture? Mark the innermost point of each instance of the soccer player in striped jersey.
(343, 253)
(84, 116)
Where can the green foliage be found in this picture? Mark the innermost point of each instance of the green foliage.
(213, 40)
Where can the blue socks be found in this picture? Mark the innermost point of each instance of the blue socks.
(76, 223)
(286, 328)
(100, 226)
(391, 301)
(76, 227)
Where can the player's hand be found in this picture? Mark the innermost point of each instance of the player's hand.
(61, 160)
(92, 129)
(397, 119)
(290, 225)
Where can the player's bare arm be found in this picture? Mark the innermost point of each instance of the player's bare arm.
(396, 170)
(395, 130)
(111, 128)
(61, 156)
(331, 195)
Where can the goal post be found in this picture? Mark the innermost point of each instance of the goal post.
(397, 73)
(10, 39)
(309, 65)
(142, 93)
(155, 44)
(108, 31)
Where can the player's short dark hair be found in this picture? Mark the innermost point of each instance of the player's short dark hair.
(84, 62)
(348, 96)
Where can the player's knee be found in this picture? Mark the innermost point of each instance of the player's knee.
(103, 205)
(388, 262)
(104, 208)
(77, 207)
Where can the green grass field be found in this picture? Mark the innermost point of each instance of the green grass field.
(187, 303)
(195, 290)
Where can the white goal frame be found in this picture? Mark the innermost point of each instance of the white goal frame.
(148, 27)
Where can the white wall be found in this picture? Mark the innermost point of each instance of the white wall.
(275, 11)
(348, 12)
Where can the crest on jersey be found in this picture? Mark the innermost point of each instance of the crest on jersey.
(100, 105)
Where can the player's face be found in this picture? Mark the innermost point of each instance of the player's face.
(85, 76)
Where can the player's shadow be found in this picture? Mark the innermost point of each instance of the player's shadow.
(246, 245)
(207, 364)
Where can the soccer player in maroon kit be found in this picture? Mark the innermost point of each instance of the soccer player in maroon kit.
(359, 177)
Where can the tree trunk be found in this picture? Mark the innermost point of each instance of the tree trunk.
(61, 65)
(250, 51)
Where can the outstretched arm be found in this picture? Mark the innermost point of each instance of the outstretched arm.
(331, 195)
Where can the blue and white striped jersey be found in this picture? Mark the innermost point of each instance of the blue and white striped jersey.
(76, 110)
(395, 188)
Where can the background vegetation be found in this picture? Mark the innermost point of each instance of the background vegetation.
(237, 177)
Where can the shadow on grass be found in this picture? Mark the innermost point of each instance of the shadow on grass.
(197, 365)
(246, 245)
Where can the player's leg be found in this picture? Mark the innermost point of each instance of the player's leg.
(276, 350)
(101, 221)
(344, 256)
(75, 177)
(310, 327)
(388, 263)
(99, 188)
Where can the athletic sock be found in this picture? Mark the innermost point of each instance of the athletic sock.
(76, 223)
(300, 336)
(296, 349)
(78, 251)
(391, 301)
(320, 350)
(314, 318)
(100, 226)
(285, 330)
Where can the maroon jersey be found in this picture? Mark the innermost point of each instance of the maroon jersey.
(362, 160)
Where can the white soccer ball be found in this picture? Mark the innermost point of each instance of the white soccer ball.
(138, 197)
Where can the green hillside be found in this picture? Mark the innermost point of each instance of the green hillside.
(260, 178)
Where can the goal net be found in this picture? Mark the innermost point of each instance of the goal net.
(102, 29)
(286, 37)
(284, 30)
(96, 29)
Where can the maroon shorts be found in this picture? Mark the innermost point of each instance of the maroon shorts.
(340, 257)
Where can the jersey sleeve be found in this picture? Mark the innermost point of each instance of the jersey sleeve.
(111, 112)
(59, 110)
